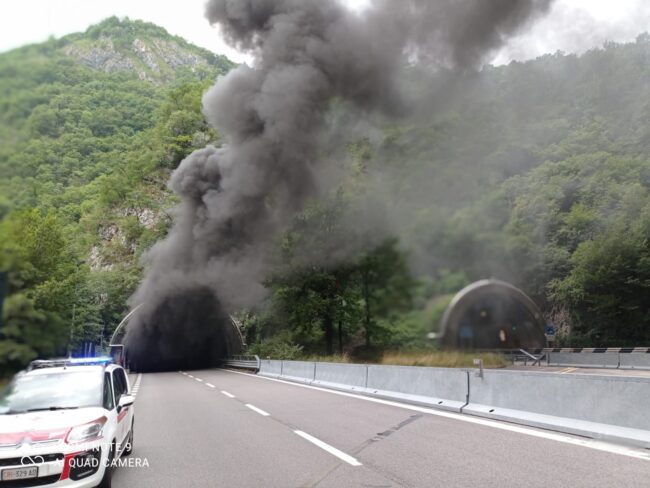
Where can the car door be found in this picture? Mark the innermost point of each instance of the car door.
(123, 418)
(127, 391)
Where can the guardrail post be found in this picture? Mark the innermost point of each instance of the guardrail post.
(468, 390)
(314, 377)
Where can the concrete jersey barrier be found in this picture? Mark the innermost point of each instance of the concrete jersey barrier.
(444, 388)
(604, 407)
(634, 360)
(342, 376)
(301, 371)
(270, 367)
(593, 360)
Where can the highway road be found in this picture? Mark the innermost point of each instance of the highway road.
(217, 428)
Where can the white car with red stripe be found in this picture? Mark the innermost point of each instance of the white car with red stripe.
(65, 423)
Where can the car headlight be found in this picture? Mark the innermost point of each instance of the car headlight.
(87, 432)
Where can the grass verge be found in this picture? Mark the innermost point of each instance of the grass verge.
(440, 359)
(444, 359)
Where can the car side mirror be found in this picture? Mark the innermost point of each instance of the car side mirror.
(125, 401)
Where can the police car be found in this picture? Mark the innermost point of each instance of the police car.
(65, 423)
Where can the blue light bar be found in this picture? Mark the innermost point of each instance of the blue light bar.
(103, 359)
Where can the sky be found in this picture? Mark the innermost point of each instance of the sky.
(571, 25)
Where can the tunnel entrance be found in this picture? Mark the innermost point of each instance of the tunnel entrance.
(189, 330)
(492, 314)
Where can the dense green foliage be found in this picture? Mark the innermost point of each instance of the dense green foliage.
(85, 154)
(536, 172)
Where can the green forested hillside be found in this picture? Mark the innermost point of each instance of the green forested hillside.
(536, 172)
(85, 153)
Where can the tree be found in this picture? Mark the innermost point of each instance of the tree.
(32, 252)
(386, 285)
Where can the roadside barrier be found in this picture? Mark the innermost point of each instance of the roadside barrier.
(584, 357)
(590, 360)
(243, 362)
(611, 408)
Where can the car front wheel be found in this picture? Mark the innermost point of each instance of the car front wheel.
(128, 449)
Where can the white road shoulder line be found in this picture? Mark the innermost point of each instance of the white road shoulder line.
(229, 395)
(566, 439)
(258, 410)
(209, 384)
(326, 447)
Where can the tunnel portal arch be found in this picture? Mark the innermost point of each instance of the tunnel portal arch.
(143, 352)
(492, 314)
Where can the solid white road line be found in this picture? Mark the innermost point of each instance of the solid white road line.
(576, 441)
(209, 384)
(568, 370)
(229, 395)
(326, 447)
(258, 410)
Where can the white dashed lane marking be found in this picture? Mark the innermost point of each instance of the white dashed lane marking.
(326, 447)
(136, 386)
(258, 410)
(317, 442)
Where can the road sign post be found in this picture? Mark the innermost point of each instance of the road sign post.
(549, 332)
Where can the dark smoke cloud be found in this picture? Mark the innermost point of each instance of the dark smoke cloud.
(235, 198)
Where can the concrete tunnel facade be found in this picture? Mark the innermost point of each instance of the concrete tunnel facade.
(186, 342)
(492, 314)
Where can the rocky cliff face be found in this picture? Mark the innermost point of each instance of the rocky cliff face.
(144, 49)
(151, 60)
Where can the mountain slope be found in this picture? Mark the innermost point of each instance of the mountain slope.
(91, 126)
(142, 48)
(535, 172)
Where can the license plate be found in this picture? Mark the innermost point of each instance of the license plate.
(19, 473)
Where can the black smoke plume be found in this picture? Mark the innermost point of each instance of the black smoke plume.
(236, 197)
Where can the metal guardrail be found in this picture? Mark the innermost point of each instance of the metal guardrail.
(536, 359)
(243, 362)
(522, 355)
(613, 357)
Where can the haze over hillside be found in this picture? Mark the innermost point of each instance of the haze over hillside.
(535, 172)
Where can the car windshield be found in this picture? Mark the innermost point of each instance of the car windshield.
(52, 391)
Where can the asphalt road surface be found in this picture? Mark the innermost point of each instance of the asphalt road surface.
(217, 428)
